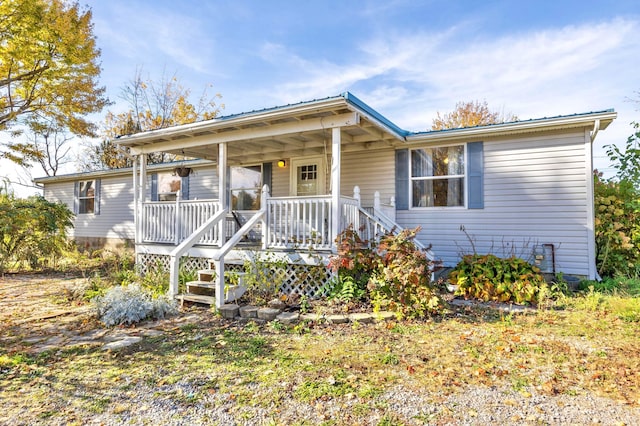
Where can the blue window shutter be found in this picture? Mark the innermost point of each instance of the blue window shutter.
(154, 187)
(267, 174)
(402, 179)
(184, 188)
(96, 197)
(76, 197)
(475, 179)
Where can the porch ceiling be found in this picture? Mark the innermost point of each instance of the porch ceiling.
(267, 136)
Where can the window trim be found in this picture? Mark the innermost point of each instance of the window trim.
(464, 177)
(96, 197)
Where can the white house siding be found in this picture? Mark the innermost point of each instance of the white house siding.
(370, 170)
(534, 193)
(203, 183)
(115, 220)
(280, 180)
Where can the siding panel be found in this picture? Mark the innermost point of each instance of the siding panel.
(535, 193)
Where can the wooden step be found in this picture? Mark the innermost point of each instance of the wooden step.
(201, 284)
(197, 298)
(206, 274)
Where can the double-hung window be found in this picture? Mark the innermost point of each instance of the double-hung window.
(86, 197)
(168, 186)
(438, 177)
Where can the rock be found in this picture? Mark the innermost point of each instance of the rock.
(277, 304)
(288, 317)
(312, 317)
(268, 314)
(361, 317)
(383, 316)
(249, 311)
(229, 310)
(119, 344)
(337, 319)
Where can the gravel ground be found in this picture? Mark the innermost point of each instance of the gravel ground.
(475, 406)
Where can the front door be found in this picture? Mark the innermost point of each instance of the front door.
(307, 176)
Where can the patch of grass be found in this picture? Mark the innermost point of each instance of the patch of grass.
(588, 346)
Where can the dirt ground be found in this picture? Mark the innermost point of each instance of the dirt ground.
(37, 316)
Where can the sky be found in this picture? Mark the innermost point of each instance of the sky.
(407, 59)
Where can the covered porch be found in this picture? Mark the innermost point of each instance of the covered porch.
(298, 204)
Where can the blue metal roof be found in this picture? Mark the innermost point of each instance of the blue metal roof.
(353, 100)
(531, 120)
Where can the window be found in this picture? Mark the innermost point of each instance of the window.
(87, 197)
(246, 187)
(438, 177)
(168, 186)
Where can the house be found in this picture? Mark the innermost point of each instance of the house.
(288, 179)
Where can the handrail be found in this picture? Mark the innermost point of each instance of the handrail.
(218, 257)
(240, 233)
(390, 225)
(177, 252)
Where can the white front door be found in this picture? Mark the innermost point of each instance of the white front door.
(307, 176)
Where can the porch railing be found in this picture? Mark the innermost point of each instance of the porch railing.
(174, 221)
(298, 221)
(288, 222)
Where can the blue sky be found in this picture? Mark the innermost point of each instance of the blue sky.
(406, 59)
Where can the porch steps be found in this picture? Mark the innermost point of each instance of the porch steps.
(203, 289)
(196, 298)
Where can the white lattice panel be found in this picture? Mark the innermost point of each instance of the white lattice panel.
(296, 278)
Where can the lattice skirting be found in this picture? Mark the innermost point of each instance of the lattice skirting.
(293, 278)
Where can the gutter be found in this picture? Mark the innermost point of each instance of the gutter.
(598, 120)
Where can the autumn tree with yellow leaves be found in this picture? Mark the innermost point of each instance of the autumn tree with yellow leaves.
(470, 114)
(151, 105)
(49, 70)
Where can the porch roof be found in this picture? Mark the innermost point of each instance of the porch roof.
(295, 130)
(304, 129)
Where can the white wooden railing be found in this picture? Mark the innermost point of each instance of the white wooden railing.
(174, 221)
(287, 223)
(298, 221)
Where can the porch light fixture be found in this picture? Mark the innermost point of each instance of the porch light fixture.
(282, 164)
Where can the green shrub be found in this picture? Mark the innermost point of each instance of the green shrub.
(617, 228)
(490, 278)
(403, 276)
(32, 231)
(394, 274)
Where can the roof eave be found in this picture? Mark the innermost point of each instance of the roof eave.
(123, 171)
(582, 120)
(240, 119)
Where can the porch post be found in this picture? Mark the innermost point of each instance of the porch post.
(335, 184)
(142, 196)
(376, 201)
(265, 219)
(136, 208)
(178, 218)
(222, 189)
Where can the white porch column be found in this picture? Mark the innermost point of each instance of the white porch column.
(136, 208)
(142, 196)
(264, 201)
(222, 189)
(335, 183)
